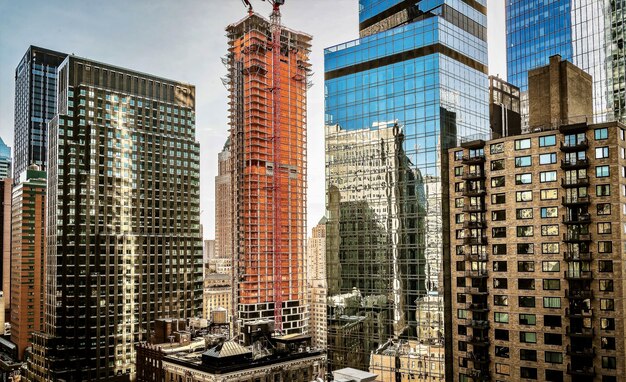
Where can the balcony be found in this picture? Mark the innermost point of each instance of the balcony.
(569, 147)
(581, 352)
(474, 224)
(476, 257)
(474, 192)
(479, 324)
(572, 237)
(474, 208)
(476, 274)
(475, 240)
(578, 313)
(579, 294)
(579, 219)
(479, 341)
(475, 307)
(576, 182)
(574, 256)
(574, 201)
(578, 275)
(474, 159)
(477, 291)
(574, 164)
(478, 358)
(580, 332)
(476, 175)
(583, 371)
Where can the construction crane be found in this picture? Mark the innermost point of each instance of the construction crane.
(277, 255)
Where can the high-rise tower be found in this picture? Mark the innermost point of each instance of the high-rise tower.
(396, 99)
(267, 80)
(35, 106)
(123, 221)
(223, 212)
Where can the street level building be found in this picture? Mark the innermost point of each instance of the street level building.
(124, 242)
(28, 249)
(536, 238)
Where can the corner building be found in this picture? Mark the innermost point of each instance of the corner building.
(396, 99)
(537, 236)
(268, 151)
(123, 231)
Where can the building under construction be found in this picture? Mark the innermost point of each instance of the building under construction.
(268, 70)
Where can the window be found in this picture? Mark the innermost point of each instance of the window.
(498, 232)
(553, 357)
(551, 284)
(502, 318)
(550, 194)
(549, 248)
(523, 196)
(503, 369)
(526, 178)
(551, 302)
(608, 343)
(552, 339)
(525, 231)
(458, 155)
(605, 247)
(522, 144)
(524, 213)
(609, 362)
(547, 158)
(459, 186)
(602, 171)
(496, 148)
(548, 140)
(526, 301)
(501, 334)
(528, 337)
(498, 215)
(599, 134)
(500, 283)
(547, 176)
(524, 161)
(607, 323)
(502, 351)
(462, 313)
(525, 248)
(497, 165)
(528, 355)
(549, 212)
(604, 228)
(497, 181)
(527, 319)
(499, 266)
(602, 152)
(606, 285)
(603, 190)
(500, 300)
(604, 208)
(498, 249)
(550, 266)
(525, 266)
(498, 198)
(552, 321)
(605, 265)
(459, 202)
(458, 171)
(526, 284)
(550, 230)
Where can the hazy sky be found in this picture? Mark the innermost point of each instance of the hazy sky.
(184, 40)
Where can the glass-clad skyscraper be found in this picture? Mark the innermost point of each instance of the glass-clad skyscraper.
(396, 98)
(589, 33)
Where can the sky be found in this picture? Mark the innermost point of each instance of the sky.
(184, 40)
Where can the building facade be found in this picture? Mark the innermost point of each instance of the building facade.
(408, 361)
(224, 205)
(35, 106)
(6, 187)
(123, 229)
(536, 238)
(316, 284)
(5, 160)
(28, 247)
(587, 33)
(268, 157)
(396, 99)
(504, 108)
(217, 294)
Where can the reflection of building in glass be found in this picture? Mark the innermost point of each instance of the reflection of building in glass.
(268, 158)
(504, 108)
(395, 99)
(123, 220)
(316, 280)
(587, 33)
(408, 361)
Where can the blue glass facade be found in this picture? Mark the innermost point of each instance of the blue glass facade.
(395, 101)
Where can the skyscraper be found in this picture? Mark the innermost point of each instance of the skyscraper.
(224, 210)
(316, 283)
(123, 229)
(396, 98)
(35, 106)
(27, 257)
(268, 86)
(6, 184)
(587, 33)
(5, 160)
